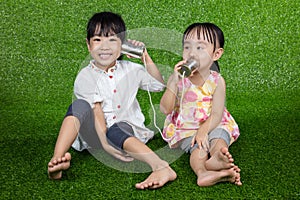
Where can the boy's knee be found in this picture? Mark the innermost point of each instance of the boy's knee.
(118, 133)
(80, 109)
(80, 104)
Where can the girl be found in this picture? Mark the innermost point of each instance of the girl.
(197, 120)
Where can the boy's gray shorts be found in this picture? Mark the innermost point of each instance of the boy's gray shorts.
(217, 133)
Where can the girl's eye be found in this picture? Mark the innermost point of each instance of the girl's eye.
(199, 48)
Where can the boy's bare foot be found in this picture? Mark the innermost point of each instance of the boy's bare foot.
(157, 179)
(209, 178)
(56, 165)
(220, 160)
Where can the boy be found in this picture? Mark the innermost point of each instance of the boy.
(106, 105)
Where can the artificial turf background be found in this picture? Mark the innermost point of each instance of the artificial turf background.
(43, 47)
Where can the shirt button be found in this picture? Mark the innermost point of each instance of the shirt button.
(115, 91)
(114, 117)
(119, 106)
(110, 76)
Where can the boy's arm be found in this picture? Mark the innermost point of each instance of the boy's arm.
(101, 129)
(148, 62)
(215, 117)
(151, 67)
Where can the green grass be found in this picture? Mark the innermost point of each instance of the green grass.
(43, 47)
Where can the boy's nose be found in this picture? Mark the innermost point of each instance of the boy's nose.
(104, 45)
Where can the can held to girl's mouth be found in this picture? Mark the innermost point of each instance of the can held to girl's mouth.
(187, 68)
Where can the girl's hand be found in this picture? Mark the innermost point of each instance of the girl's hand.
(176, 75)
(202, 140)
(193, 72)
(178, 66)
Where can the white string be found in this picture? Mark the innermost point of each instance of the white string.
(181, 98)
(150, 99)
(152, 106)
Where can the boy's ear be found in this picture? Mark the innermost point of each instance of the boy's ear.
(218, 53)
(88, 44)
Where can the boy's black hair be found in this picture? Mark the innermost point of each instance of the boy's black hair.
(211, 32)
(106, 24)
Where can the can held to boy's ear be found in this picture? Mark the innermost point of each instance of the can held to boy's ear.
(132, 50)
(187, 68)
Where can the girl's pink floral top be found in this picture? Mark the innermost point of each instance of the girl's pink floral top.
(195, 108)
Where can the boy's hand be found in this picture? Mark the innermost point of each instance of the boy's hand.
(137, 43)
(117, 154)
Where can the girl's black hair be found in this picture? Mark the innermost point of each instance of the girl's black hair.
(106, 24)
(211, 32)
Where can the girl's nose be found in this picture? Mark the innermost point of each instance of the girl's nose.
(191, 53)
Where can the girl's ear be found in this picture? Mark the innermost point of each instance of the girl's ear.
(218, 53)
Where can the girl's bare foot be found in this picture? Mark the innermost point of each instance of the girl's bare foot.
(209, 178)
(237, 176)
(157, 179)
(220, 160)
(56, 165)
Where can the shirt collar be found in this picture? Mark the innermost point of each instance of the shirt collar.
(97, 69)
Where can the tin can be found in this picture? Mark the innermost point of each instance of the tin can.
(187, 68)
(132, 50)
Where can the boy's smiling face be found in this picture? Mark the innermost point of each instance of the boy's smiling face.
(105, 50)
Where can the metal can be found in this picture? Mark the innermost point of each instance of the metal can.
(132, 50)
(187, 68)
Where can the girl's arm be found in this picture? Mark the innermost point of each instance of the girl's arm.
(215, 117)
(168, 100)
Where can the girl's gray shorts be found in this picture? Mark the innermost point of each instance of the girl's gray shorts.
(217, 133)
